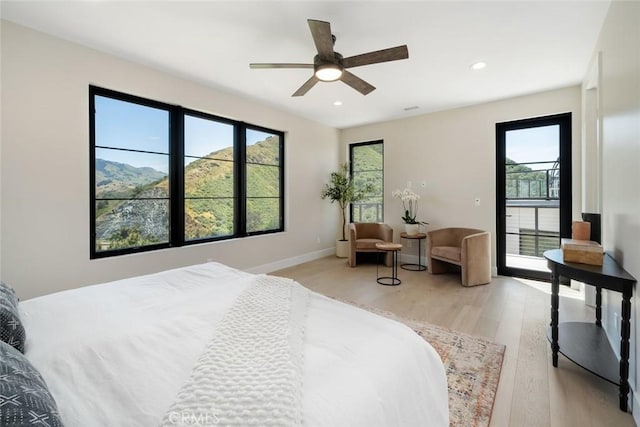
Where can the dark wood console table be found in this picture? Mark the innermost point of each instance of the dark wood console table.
(586, 344)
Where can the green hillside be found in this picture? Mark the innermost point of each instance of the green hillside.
(367, 162)
(119, 180)
(368, 158)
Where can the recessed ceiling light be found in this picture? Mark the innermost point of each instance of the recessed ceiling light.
(478, 65)
(337, 103)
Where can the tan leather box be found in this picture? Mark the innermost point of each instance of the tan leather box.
(582, 251)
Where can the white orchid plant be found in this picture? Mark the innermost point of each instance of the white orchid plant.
(410, 205)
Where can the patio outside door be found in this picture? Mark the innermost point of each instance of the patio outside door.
(533, 192)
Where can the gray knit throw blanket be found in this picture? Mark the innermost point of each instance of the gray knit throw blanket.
(250, 373)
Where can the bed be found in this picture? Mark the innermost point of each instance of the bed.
(199, 346)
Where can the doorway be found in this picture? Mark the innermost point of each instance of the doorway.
(533, 192)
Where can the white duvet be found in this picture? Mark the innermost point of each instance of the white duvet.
(116, 354)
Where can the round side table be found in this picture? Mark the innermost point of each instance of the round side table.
(419, 237)
(384, 248)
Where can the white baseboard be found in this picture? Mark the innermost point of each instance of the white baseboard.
(290, 262)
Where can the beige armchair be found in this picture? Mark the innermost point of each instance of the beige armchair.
(466, 247)
(363, 237)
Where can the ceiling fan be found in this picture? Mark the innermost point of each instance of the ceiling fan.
(329, 66)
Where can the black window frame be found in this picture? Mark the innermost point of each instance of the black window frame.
(356, 145)
(176, 173)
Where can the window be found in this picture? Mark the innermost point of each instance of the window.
(209, 178)
(131, 166)
(367, 167)
(164, 176)
(263, 180)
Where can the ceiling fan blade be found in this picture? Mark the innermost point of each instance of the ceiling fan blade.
(284, 65)
(356, 82)
(384, 55)
(306, 86)
(321, 32)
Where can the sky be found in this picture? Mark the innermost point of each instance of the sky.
(122, 124)
(533, 145)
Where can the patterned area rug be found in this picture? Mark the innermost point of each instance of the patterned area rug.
(472, 364)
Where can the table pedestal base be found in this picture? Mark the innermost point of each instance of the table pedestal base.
(383, 248)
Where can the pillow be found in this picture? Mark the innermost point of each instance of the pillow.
(7, 292)
(25, 399)
(11, 328)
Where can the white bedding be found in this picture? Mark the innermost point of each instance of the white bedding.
(116, 354)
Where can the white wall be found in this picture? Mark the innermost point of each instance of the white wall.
(45, 168)
(619, 47)
(454, 153)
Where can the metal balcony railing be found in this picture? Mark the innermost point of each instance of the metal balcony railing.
(532, 229)
(543, 183)
(532, 207)
(367, 211)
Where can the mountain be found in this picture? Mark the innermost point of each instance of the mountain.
(208, 188)
(115, 179)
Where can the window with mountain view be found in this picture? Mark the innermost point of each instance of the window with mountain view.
(166, 176)
(209, 162)
(367, 167)
(131, 175)
(264, 177)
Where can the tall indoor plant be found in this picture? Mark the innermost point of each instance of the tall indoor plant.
(342, 189)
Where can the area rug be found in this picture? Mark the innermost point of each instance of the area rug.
(472, 365)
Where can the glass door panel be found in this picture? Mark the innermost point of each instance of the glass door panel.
(532, 192)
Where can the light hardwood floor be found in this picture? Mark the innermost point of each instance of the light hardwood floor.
(510, 311)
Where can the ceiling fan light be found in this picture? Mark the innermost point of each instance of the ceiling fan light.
(328, 72)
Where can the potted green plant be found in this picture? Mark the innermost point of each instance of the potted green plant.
(342, 189)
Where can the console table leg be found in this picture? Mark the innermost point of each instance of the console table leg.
(555, 300)
(598, 306)
(625, 331)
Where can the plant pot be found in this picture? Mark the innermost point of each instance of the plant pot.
(342, 248)
(412, 229)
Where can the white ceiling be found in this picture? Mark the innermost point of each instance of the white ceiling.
(529, 46)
